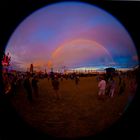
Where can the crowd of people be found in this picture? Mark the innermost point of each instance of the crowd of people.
(106, 86)
(110, 87)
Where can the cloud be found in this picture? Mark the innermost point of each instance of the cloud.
(57, 36)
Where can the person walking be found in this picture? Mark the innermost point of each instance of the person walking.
(102, 88)
(55, 84)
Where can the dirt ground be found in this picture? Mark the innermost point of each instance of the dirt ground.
(77, 113)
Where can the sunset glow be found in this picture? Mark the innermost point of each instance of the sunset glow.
(71, 34)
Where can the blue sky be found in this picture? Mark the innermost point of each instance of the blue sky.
(66, 29)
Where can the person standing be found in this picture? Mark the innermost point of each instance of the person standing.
(28, 88)
(55, 84)
(35, 86)
(7, 84)
(77, 80)
(112, 87)
(132, 88)
(14, 85)
(122, 87)
(102, 88)
(108, 86)
(132, 92)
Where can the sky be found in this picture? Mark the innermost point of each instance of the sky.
(72, 35)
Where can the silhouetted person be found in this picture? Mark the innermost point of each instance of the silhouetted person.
(112, 87)
(132, 91)
(35, 86)
(14, 86)
(28, 88)
(77, 80)
(61, 78)
(122, 87)
(132, 87)
(120, 79)
(6, 84)
(108, 87)
(55, 84)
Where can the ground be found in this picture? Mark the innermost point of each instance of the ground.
(78, 113)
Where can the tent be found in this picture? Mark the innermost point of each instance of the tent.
(110, 72)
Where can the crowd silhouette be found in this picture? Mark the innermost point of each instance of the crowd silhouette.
(107, 86)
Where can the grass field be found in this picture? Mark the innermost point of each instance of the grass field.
(78, 113)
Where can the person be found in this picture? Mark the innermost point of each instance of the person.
(112, 87)
(132, 91)
(55, 84)
(97, 78)
(14, 85)
(132, 87)
(35, 86)
(120, 78)
(122, 87)
(7, 85)
(61, 78)
(28, 88)
(102, 87)
(108, 86)
(77, 80)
